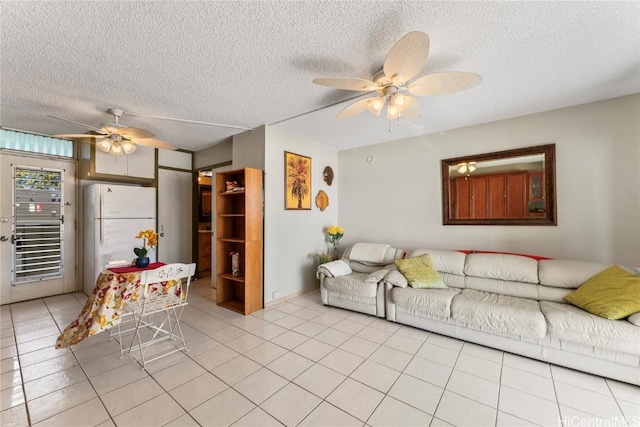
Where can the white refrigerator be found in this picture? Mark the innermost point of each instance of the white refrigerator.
(113, 216)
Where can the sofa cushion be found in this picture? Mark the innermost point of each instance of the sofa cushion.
(570, 323)
(561, 273)
(444, 261)
(499, 314)
(353, 284)
(376, 276)
(613, 294)
(420, 272)
(432, 301)
(502, 267)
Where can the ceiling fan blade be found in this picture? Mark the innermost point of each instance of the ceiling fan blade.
(131, 133)
(355, 108)
(410, 111)
(76, 123)
(78, 135)
(406, 57)
(346, 83)
(443, 83)
(155, 143)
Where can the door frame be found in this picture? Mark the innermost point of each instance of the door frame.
(196, 217)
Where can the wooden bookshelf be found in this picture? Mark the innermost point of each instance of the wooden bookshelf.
(239, 223)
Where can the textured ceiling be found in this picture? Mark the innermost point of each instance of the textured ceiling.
(252, 63)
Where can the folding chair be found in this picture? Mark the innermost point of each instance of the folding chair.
(157, 314)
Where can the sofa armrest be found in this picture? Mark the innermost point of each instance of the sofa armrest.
(377, 276)
(333, 269)
(395, 278)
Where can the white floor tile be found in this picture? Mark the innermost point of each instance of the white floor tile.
(266, 353)
(446, 342)
(309, 329)
(528, 383)
(215, 357)
(438, 354)
(173, 376)
(360, 346)
(376, 335)
(184, 421)
(244, 343)
(348, 326)
(474, 413)
(281, 405)
(90, 413)
(392, 412)
(528, 407)
(483, 352)
(11, 397)
(289, 322)
(574, 417)
(260, 385)
(289, 340)
(326, 319)
(631, 411)
(319, 380)
(332, 337)
(375, 375)
(48, 367)
(404, 344)
(313, 349)
(587, 401)
(356, 399)
(104, 383)
(480, 367)
(416, 393)
(428, 371)
(198, 390)
(53, 382)
(580, 379)
(508, 420)
(624, 391)
(328, 415)
(257, 418)
(131, 395)
(157, 411)
(525, 364)
(236, 369)
(391, 358)
(59, 401)
(290, 365)
(227, 334)
(223, 409)
(15, 416)
(269, 331)
(474, 388)
(341, 361)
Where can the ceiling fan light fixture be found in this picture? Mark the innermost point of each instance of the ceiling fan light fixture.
(462, 169)
(392, 111)
(104, 144)
(376, 104)
(128, 147)
(471, 168)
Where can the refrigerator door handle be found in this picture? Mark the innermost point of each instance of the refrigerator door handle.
(101, 220)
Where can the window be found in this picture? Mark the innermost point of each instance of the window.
(33, 143)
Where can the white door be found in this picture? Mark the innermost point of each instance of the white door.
(37, 228)
(214, 217)
(174, 216)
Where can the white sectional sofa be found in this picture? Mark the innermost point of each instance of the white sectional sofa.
(509, 302)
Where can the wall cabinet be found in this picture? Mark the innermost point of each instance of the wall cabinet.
(239, 229)
(137, 167)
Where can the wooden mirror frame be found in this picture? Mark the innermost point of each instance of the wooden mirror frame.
(549, 173)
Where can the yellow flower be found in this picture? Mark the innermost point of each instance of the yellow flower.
(335, 234)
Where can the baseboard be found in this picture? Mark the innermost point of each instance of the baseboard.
(290, 296)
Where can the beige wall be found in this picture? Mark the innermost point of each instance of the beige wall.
(397, 198)
(213, 155)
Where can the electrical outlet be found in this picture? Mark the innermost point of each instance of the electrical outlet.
(275, 295)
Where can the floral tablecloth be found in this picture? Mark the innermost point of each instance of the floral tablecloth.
(104, 306)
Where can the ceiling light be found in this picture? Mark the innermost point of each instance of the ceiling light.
(115, 146)
(376, 104)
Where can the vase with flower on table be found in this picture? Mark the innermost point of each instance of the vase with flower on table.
(335, 233)
(149, 242)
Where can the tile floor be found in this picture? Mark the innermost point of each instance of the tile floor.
(296, 364)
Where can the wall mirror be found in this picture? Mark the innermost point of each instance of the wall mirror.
(513, 187)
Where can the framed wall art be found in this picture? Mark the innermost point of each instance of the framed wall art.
(297, 178)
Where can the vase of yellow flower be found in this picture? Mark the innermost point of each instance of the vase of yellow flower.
(335, 233)
(149, 242)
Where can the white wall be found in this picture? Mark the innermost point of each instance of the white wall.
(292, 238)
(397, 199)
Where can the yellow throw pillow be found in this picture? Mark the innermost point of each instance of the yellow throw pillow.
(613, 293)
(420, 272)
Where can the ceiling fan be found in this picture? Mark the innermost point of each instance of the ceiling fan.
(116, 138)
(392, 84)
